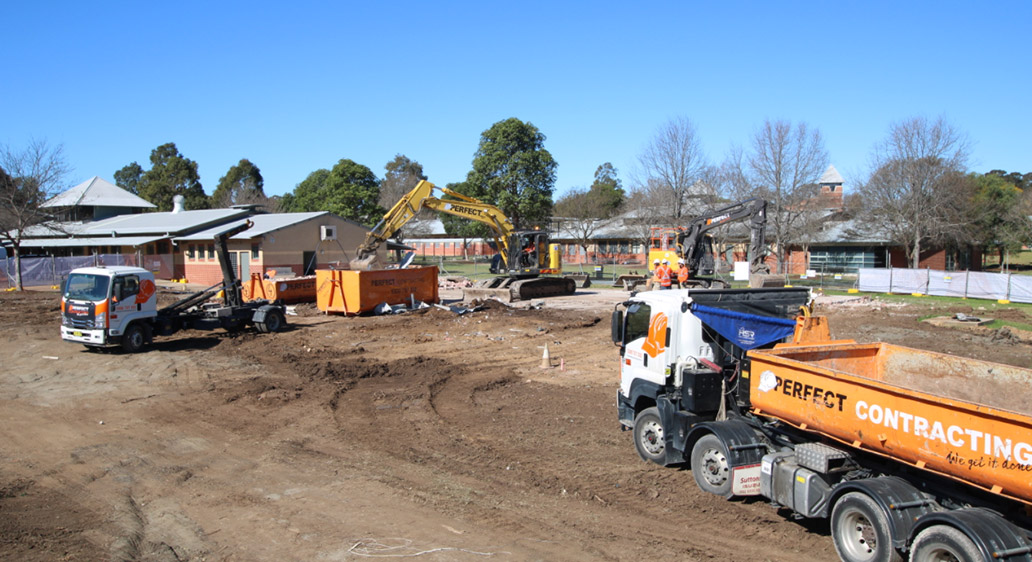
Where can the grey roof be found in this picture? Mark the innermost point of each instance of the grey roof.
(96, 192)
(93, 241)
(169, 224)
(831, 175)
(263, 224)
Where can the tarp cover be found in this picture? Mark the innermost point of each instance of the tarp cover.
(747, 331)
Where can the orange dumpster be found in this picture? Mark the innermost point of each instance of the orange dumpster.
(294, 290)
(962, 418)
(355, 292)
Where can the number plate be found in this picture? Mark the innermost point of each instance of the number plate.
(77, 334)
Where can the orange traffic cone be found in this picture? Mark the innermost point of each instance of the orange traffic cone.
(546, 359)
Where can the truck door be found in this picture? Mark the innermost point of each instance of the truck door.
(646, 342)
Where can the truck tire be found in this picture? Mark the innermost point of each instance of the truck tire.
(710, 467)
(274, 322)
(941, 543)
(133, 338)
(861, 531)
(648, 436)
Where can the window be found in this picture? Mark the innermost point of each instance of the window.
(211, 251)
(162, 247)
(254, 251)
(638, 318)
(190, 251)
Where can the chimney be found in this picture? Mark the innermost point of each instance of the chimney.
(177, 204)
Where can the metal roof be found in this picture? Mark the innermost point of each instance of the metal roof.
(96, 192)
(831, 175)
(96, 241)
(263, 224)
(169, 224)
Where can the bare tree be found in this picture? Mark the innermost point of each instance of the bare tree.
(784, 168)
(583, 212)
(915, 194)
(675, 160)
(28, 178)
(645, 207)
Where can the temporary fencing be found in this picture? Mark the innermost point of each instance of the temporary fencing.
(966, 284)
(51, 270)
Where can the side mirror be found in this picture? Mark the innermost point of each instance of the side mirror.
(617, 326)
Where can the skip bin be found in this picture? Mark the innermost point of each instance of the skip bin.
(355, 292)
(289, 291)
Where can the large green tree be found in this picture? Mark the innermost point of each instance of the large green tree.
(1001, 213)
(242, 185)
(607, 189)
(129, 177)
(512, 170)
(402, 175)
(350, 190)
(172, 174)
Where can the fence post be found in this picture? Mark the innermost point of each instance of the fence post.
(928, 279)
(53, 270)
(967, 282)
(1009, 275)
(891, 269)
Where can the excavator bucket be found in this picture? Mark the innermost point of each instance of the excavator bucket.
(366, 264)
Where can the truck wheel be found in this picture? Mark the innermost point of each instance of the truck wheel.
(710, 467)
(942, 543)
(860, 530)
(133, 338)
(648, 436)
(274, 322)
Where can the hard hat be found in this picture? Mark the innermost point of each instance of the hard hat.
(655, 260)
(666, 262)
(680, 260)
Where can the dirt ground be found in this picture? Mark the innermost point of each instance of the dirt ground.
(429, 434)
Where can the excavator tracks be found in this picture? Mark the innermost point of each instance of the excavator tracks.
(508, 289)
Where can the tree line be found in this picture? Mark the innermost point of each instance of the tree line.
(917, 193)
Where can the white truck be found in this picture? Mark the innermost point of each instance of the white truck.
(118, 305)
(907, 452)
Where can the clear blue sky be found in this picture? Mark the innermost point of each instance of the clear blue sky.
(296, 86)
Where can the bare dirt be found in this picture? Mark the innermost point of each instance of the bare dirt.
(427, 434)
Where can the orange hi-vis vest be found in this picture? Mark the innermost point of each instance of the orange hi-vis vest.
(664, 274)
(682, 274)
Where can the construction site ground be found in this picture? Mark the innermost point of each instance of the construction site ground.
(427, 434)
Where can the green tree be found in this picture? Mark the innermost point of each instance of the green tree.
(459, 227)
(512, 170)
(350, 190)
(1001, 214)
(402, 175)
(607, 189)
(128, 178)
(172, 174)
(242, 185)
(1019, 180)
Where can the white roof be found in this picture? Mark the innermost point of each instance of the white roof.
(831, 175)
(263, 224)
(96, 192)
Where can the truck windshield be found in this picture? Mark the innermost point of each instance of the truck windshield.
(84, 286)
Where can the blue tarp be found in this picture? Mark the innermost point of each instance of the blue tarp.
(745, 330)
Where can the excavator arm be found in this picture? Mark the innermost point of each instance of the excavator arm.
(422, 196)
(691, 244)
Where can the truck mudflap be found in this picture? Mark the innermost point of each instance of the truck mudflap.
(995, 537)
(746, 447)
(902, 504)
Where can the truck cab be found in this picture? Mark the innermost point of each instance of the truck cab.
(99, 304)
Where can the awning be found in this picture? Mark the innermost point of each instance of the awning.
(95, 241)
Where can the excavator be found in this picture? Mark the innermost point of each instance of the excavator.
(693, 243)
(524, 256)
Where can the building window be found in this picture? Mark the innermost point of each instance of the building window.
(190, 251)
(162, 247)
(254, 251)
(211, 251)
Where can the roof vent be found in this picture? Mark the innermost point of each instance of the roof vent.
(177, 204)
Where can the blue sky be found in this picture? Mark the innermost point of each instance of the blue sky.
(296, 86)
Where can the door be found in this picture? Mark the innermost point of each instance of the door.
(308, 263)
(646, 338)
(244, 261)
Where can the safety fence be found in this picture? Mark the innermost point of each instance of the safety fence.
(50, 270)
(966, 284)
